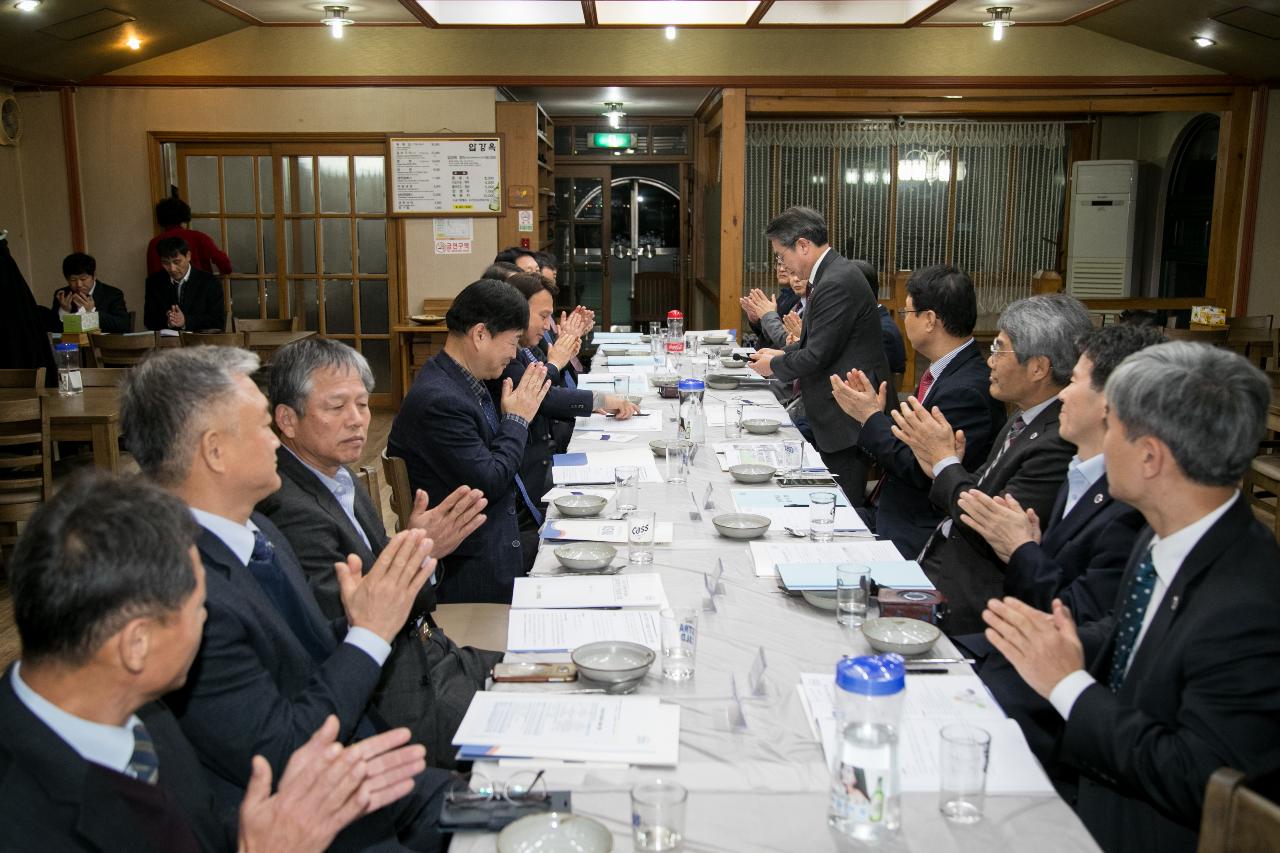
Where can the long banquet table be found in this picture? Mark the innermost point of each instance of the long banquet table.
(765, 788)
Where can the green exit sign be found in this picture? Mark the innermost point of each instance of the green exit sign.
(612, 140)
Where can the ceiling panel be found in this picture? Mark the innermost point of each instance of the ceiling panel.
(504, 12)
(311, 11)
(635, 100)
(845, 13)
(1024, 11)
(679, 12)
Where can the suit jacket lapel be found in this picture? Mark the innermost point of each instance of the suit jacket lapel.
(1096, 498)
(1030, 434)
(310, 483)
(454, 371)
(371, 520)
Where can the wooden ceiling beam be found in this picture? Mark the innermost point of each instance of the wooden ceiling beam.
(757, 16)
(418, 12)
(589, 13)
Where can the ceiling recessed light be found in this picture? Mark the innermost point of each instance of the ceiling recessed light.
(1203, 41)
(26, 5)
(335, 18)
(134, 43)
(671, 33)
(953, 97)
(999, 21)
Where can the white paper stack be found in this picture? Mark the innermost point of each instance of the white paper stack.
(766, 555)
(596, 467)
(643, 422)
(599, 530)
(565, 630)
(610, 729)
(789, 507)
(609, 591)
(932, 702)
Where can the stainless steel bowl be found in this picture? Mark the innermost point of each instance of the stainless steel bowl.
(732, 362)
(900, 635)
(714, 339)
(752, 473)
(721, 382)
(585, 556)
(660, 446)
(741, 525)
(613, 661)
(761, 426)
(580, 506)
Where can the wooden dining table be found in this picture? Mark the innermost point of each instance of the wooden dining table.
(93, 416)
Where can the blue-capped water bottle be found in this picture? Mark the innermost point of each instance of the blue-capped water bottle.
(692, 424)
(865, 796)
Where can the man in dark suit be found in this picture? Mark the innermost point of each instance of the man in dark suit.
(1184, 676)
(271, 668)
(939, 314)
(89, 759)
(1031, 361)
(84, 293)
(319, 394)
(451, 431)
(182, 297)
(841, 333)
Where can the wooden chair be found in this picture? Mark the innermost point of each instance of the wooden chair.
(397, 474)
(213, 339)
(1236, 818)
(1255, 343)
(1213, 337)
(121, 350)
(21, 377)
(1262, 482)
(283, 324)
(1251, 321)
(103, 377)
(26, 458)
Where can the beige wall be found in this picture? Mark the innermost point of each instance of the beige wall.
(1264, 284)
(1146, 137)
(33, 195)
(113, 143)
(716, 53)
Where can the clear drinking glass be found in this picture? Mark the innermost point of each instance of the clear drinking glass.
(963, 767)
(622, 385)
(792, 456)
(679, 642)
(851, 594)
(733, 419)
(626, 479)
(822, 516)
(678, 464)
(657, 815)
(640, 529)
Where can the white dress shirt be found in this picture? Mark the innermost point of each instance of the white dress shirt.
(1080, 478)
(1168, 555)
(813, 272)
(110, 746)
(936, 368)
(239, 538)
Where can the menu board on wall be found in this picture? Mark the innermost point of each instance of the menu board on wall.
(445, 175)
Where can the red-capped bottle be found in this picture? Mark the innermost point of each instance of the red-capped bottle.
(675, 333)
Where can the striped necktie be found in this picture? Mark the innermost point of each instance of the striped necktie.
(144, 764)
(1134, 601)
(491, 415)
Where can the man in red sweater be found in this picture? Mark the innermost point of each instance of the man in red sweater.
(173, 214)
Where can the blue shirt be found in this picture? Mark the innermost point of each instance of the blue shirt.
(110, 746)
(343, 489)
(1080, 477)
(239, 539)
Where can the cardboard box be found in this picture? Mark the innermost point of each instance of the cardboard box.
(73, 323)
(1208, 315)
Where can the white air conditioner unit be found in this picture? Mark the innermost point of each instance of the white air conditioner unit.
(1109, 209)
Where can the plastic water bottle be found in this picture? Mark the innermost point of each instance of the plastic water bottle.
(865, 796)
(69, 381)
(675, 335)
(692, 425)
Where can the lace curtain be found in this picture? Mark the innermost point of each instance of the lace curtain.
(984, 196)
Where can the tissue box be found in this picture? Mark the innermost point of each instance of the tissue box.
(73, 323)
(1208, 315)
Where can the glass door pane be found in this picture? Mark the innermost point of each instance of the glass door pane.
(583, 233)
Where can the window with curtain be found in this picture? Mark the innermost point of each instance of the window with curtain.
(984, 196)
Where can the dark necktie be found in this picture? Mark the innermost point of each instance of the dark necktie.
(1134, 601)
(491, 415)
(1015, 429)
(144, 764)
(568, 379)
(266, 570)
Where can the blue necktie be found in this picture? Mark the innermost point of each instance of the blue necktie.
(1134, 603)
(491, 415)
(266, 570)
(144, 764)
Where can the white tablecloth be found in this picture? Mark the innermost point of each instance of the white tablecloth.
(764, 788)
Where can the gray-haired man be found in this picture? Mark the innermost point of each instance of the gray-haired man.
(1031, 362)
(271, 667)
(319, 396)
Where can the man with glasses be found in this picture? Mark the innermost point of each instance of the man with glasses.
(841, 333)
(941, 309)
(1031, 362)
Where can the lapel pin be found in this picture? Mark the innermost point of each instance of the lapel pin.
(1173, 605)
(1034, 435)
(1097, 499)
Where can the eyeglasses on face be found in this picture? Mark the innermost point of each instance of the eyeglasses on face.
(995, 349)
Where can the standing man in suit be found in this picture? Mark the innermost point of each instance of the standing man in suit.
(271, 668)
(452, 431)
(841, 333)
(940, 310)
(1031, 361)
(1184, 676)
(180, 296)
(319, 397)
(89, 759)
(84, 293)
